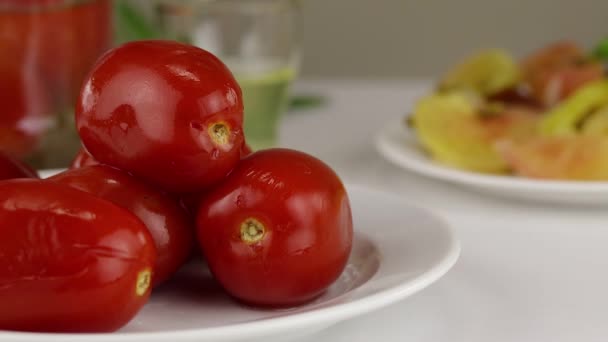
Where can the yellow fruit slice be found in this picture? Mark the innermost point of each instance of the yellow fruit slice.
(451, 130)
(597, 123)
(487, 73)
(563, 119)
(573, 157)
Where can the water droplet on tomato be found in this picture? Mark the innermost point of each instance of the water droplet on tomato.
(215, 154)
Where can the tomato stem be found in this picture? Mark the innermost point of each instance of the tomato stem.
(219, 133)
(252, 231)
(144, 279)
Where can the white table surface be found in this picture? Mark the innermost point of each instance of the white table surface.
(528, 272)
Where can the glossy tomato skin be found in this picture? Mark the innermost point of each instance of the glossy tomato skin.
(245, 150)
(167, 112)
(12, 168)
(169, 224)
(70, 262)
(278, 231)
(82, 159)
(191, 201)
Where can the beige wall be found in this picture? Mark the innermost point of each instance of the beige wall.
(418, 38)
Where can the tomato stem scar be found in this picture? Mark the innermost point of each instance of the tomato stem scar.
(219, 133)
(144, 278)
(252, 231)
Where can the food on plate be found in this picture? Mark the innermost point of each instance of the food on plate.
(488, 72)
(574, 157)
(555, 72)
(166, 220)
(596, 123)
(566, 117)
(278, 230)
(11, 167)
(548, 119)
(169, 113)
(459, 131)
(164, 165)
(69, 261)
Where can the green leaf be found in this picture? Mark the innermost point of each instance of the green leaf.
(306, 102)
(601, 50)
(131, 25)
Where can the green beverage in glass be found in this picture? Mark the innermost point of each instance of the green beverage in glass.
(257, 39)
(265, 97)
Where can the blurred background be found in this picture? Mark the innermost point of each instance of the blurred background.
(414, 38)
(48, 47)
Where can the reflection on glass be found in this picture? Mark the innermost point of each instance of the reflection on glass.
(47, 47)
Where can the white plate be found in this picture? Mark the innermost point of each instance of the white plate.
(398, 251)
(399, 144)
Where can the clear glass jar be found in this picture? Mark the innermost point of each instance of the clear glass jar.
(46, 49)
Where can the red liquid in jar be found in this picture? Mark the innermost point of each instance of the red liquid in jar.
(47, 48)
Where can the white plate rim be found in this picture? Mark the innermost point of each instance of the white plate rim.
(335, 313)
(423, 165)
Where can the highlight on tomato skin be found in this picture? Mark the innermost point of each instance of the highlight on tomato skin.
(278, 230)
(71, 262)
(182, 131)
(191, 201)
(169, 224)
(83, 158)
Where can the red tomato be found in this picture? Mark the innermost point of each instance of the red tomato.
(169, 224)
(191, 201)
(13, 168)
(278, 231)
(245, 150)
(167, 112)
(70, 262)
(82, 159)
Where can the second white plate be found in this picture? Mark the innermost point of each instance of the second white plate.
(399, 145)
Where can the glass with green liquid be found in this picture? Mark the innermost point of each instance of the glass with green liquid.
(265, 97)
(258, 40)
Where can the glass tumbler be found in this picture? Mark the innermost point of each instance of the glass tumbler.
(259, 41)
